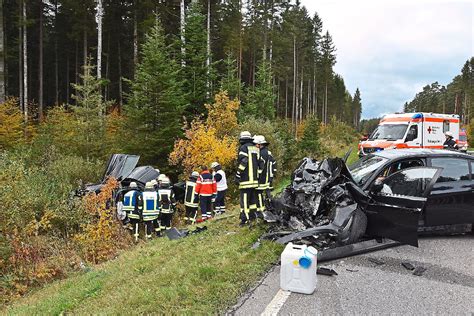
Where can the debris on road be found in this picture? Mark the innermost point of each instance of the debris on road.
(326, 271)
(419, 271)
(350, 270)
(376, 261)
(407, 265)
(175, 233)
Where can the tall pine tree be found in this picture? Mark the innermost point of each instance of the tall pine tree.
(156, 102)
(195, 71)
(261, 98)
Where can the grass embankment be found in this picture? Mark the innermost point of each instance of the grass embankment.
(203, 273)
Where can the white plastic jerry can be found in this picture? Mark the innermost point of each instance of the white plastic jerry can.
(298, 269)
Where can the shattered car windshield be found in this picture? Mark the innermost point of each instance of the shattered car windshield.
(365, 167)
(389, 132)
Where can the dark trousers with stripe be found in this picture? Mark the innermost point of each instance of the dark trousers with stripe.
(165, 220)
(150, 227)
(219, 204)
(261, 197)
(248, 205)
(191, 213)
(205, 202)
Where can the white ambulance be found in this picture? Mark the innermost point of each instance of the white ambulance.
(411, 130)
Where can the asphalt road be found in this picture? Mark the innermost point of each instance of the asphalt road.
(362, 287)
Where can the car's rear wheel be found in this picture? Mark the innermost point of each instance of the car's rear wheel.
(358, 226)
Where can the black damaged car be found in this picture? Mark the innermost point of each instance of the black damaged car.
(397, 194)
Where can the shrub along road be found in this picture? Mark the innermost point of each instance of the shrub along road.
(203, 273)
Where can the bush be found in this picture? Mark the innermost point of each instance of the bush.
(273, 134)
(37, 219)
(211, 139)
(12, 129)
(102, 237)
(336, 137)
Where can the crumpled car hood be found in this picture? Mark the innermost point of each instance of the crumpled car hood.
(321, 198)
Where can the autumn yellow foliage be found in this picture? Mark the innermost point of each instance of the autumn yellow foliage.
(102, 237)
(11, 124)
(211, 139)
(222, 114)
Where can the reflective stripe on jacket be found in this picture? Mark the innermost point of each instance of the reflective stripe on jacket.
(266, 177)
(167, 200)
(205, 184)
(221, 180)
(151, 206)
(190, 195)
(249, 166)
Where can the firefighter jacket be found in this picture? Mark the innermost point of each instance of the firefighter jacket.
(132, 203)
(268, 167)
(221, 180)
(151, 205)
(205, 184)
(166, 199)
(191, 198)
(272, 169)
(250, 166)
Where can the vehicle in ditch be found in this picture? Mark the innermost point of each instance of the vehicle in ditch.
(124, 168)
(397, 194)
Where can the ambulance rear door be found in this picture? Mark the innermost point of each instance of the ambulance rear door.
(433, 132)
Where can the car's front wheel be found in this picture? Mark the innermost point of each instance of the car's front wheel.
(358, 226)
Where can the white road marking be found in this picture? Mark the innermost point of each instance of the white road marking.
(276, 304)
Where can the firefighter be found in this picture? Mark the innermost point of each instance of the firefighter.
(450, 143)
(191, 198)
(266, 177)
(247, 176)
(221, 184)
(132, 202)
(206, 188)
(167, 204)
(150, 209)
(160, 178)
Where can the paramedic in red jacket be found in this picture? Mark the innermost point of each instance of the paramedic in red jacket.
(206, 188)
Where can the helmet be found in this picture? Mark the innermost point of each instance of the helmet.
(214, 164)
(161, 177)
(165, 180)
(245, 135)
(259, 139)
(149, 185)
(449, 134)
(133, 185)
(195, 174)
(154, 182)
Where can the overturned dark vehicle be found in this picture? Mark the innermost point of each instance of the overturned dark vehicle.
(124, 168)
(393, 194)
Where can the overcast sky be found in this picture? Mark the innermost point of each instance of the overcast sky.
(390, 49)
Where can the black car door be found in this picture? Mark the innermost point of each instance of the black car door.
(394, 209)
(451, 200)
